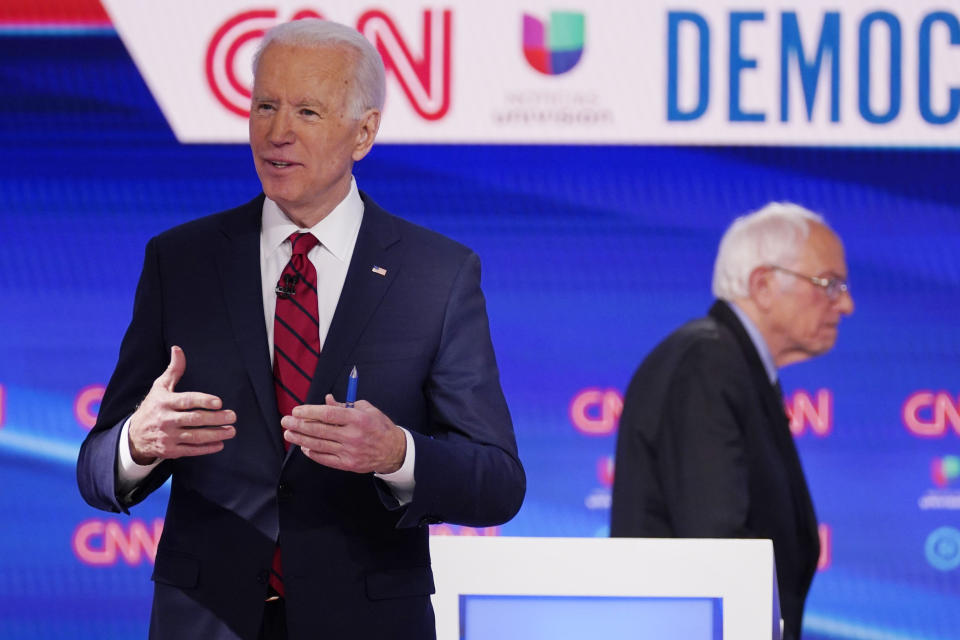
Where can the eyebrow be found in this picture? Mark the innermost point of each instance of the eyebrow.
(830, 273)
(312, 103)
(318, 105)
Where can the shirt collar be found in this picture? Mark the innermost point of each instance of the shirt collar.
(337, 232)
(758, 342)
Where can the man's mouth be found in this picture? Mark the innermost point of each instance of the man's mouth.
(279, 164)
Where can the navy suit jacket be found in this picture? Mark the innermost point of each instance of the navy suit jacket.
(704, 450)
(356, 564)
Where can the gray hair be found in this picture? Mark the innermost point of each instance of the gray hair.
(773, 235)
(370, 86)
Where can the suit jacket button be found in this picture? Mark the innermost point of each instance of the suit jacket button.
(284, 491)
(263, 576)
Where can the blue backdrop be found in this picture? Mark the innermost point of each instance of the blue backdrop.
(591, 255)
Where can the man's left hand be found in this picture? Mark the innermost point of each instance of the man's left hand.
(360, 438)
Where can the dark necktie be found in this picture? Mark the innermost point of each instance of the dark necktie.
(296, 342)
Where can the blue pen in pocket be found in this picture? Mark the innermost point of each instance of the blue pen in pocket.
(352, 387)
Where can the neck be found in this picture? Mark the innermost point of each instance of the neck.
(781, 350)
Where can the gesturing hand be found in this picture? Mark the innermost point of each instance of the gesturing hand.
(165, 425)
(360, 439)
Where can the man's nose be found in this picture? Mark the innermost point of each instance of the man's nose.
(844, 303)
(281, 129)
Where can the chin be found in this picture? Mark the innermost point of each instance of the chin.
(824, 347)
(277, 195)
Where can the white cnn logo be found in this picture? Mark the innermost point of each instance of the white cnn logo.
(425, 80)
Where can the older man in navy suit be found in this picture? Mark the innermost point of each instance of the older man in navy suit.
(704, 447)
(292, 514)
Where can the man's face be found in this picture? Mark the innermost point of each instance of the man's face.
(803, 318)
(303, 136)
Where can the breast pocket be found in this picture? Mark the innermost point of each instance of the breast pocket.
(176, 569)
(373, 353)
(392, 377)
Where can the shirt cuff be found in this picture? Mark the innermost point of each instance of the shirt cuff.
(129, 473)
(401, 481)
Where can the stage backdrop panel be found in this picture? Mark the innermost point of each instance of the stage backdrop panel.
(591, 254)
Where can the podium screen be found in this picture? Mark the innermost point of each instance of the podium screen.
(492, 617)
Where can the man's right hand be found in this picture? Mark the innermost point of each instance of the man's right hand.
(168, 424)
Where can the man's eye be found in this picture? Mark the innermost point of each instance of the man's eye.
(309, 113)
(264, 107)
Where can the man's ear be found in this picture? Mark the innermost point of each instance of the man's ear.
(366, 133)
(763, 287)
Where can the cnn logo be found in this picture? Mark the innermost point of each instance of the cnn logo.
(596, 412)
(425, 79)
(811, 412)
(105, 542)
(928, 414)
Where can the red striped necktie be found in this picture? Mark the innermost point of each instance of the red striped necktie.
(296, 342)
(296, 326)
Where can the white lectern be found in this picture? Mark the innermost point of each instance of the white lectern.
(610, 588)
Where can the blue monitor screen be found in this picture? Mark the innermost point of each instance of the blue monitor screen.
(486, 617)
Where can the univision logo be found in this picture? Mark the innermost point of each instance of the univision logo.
(945, 470)
(556, 47)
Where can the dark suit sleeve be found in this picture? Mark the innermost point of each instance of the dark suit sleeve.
(703, 461)
(142, 359)
(468, 472)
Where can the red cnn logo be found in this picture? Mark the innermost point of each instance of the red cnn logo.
(104, 542)
(826, 547)
(809, 412)
(927, 414)
(596, 412)
(605, 467)
(425, 81)
(84, 403)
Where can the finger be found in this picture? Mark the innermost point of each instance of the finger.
(321, 451)
(298, 425)
(328, 413)
(187, 400)
(326, 441)
(309, 434)
(332, 402)
(205, 436)
(178, 364)
(186, 450)
(196, 419)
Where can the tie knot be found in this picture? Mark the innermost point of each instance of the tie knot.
(302, 243)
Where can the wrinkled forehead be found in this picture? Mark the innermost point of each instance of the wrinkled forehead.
(332, 62)
(823, 252)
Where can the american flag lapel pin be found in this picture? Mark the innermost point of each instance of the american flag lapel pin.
(380, 271)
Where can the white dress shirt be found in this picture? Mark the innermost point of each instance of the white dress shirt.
(337, 234)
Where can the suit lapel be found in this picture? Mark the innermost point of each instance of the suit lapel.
(780, 425)
(362, 292)
(238, 258)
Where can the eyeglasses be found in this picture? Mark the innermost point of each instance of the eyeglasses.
(833, 287)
